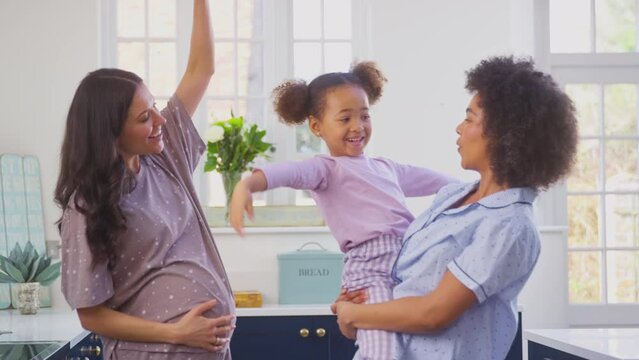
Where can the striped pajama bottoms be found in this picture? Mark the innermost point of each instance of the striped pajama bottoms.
(368, 266)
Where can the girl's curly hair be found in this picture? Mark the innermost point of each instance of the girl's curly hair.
(529, 122)
(295, 100)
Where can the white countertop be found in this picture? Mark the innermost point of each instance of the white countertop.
(286, 310)
(594, 344)
(47, 325)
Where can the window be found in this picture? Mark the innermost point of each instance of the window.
(258, 44)
(592, 50)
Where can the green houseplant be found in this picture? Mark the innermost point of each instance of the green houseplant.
(231, 149)
(29, 270)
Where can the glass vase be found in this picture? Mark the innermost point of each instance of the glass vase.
(230, 179)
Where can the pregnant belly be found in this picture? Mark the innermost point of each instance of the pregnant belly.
(171, 292)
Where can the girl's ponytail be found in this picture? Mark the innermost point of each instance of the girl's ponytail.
(371, 79)
(291, 101)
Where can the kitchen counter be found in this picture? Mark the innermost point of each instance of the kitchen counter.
(594, 344)
(47, 325)
(63, 325)
(285, 310)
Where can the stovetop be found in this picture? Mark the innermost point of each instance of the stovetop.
(29, 350)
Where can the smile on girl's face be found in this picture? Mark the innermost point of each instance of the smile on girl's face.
(345, 125)
(472, 144)
(142, 130)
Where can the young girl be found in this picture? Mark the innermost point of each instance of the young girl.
(362, 198)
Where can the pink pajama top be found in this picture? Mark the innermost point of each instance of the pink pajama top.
(361, 198)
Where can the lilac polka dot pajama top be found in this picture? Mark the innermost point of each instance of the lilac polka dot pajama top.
(167, 261)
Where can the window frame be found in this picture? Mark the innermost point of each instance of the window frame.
(591, 68)
(277, 53)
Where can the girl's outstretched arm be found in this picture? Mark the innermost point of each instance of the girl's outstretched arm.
(201, 63)
(242, 200)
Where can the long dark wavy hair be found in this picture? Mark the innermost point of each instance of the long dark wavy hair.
(91, 170)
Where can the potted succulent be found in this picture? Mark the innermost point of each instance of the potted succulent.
(28, 269)
(231, 150)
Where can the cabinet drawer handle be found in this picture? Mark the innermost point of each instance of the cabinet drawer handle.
(304, 332)
(90, 350)
(320, 332)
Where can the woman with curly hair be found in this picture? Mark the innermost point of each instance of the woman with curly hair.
(464, 261)
(362, 198)
(138, 259)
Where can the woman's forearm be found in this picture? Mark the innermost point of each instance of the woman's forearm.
(415, 314)
(105, 321)
(201, 63)
(201, 55)
(408, 315)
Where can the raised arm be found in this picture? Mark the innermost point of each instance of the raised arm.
(201, 63)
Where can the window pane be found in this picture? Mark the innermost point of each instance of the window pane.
(217, 196)
(223, 83)
(303, 198)
(307, 19)
(616, 25)
(250, 19)
(130, 18)
(162, 18)
(307, 60)
(337, 19)
(622, 220)
(584, 221)
(620, 109)
(584, 277)
(253, 111)
(131, 57)
(220, 110)
(585, 175)
(222, 16)
(305, 142)
(337, 57)
(623, 276)
(162, 68)
(570, 26)
(621, 165)
(250, 69)
(587, 103)
(161, 102)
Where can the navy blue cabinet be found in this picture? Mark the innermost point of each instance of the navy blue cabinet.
(290, 337)
(304, 337)
(89, 348)
(541, 352)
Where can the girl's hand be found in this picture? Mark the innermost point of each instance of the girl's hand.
(242, 201)
(355, 297)
(342, 311)
(195, 330)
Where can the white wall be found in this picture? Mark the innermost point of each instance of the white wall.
(424, 47)
(47, 47)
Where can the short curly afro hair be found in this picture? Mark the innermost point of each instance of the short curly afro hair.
(529, 121)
